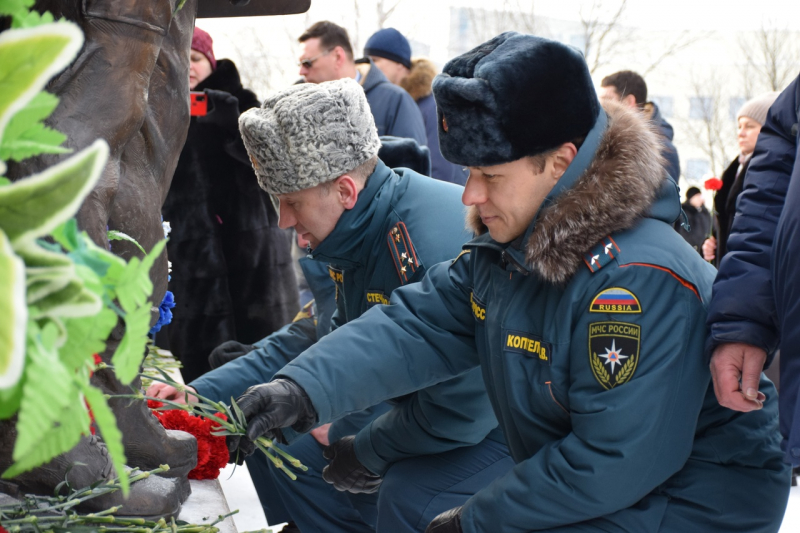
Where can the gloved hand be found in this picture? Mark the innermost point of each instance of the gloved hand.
(346, 473)
(278, 404)
(228, 351)
(447, 522)
(223, 110)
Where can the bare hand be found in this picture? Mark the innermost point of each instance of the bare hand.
(168, 392)
(731, 363)
(710, 248)
(321, 434)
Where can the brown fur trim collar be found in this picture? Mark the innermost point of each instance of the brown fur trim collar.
(419, 80)
(612, 194)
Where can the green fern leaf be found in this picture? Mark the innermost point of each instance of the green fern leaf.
(49, 390)
(86, 336)
(131, 349)
(26, 135)
(112, 436)
(134, 286)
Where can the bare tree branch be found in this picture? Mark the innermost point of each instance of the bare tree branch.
(603, 39)
(684, 40)
(384, 13)
(771, 54)
(712, 132)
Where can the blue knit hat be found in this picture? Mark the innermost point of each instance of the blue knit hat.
(391, 44)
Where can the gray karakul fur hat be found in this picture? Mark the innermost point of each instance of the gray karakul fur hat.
(309, 134)
(514, 96)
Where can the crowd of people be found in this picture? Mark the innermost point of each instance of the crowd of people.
(570, 361)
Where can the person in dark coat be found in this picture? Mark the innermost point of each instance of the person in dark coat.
(749, 121)
(630, 88)
(756, 305)
(390, 51)
(698, 219)
(232, 274)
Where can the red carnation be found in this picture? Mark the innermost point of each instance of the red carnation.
(713, 184)
(212, 452)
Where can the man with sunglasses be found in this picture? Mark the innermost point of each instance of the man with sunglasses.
(327, 55)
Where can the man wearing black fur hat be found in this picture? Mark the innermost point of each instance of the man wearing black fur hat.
(581, 304)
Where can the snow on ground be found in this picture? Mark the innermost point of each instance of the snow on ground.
(241, 494)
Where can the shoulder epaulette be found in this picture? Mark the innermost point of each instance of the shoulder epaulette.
(402, 249)
(602, 254)
(463, 252)
(308, 311)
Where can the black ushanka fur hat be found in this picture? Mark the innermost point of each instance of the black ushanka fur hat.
(513, 96)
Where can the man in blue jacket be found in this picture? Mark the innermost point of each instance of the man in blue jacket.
(327, 55)
(630, 88)
(314, 149)
(756, 303)
(584, 309)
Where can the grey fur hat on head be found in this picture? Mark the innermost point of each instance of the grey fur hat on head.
(309, 134)
(756, 108)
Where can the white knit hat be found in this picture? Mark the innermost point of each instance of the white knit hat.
(756, 108)
(309, 134)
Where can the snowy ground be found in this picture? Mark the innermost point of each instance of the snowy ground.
(241, 495)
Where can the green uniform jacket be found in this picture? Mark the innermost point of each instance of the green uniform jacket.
(402, 223)
(589, 331)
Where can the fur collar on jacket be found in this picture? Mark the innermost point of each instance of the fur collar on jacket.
(611, 195)
(419, 80)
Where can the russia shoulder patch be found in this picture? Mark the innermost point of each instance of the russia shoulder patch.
(615, 300)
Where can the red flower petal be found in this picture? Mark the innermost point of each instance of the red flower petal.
(212, 452)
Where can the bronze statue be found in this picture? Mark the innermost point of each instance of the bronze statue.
(129, 86)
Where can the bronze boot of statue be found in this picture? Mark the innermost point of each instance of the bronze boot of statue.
(147, 443)
(85, 464)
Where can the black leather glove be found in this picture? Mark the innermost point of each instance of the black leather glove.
(447, 522)
(223, 110)
(346, 473)
(228, 351)
(278, 404)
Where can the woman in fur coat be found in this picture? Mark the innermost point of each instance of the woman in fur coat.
(231, 265)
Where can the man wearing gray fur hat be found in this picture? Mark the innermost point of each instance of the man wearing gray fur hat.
(314, 149)
(583, 308)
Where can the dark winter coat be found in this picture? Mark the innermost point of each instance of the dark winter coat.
(631, 441)
(699, 221)
(725, 206)
(394, 111)
(668, 151)
(757, 290)
(418, 84)
(232, 270)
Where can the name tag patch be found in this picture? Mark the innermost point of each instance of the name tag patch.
(527, 344)
(478, 308)
(376, 298)
(614, 352)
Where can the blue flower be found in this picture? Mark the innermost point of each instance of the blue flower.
(164, 312)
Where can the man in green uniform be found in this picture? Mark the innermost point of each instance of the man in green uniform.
(582, 306)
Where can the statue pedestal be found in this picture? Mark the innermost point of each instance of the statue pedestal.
(206, 504)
